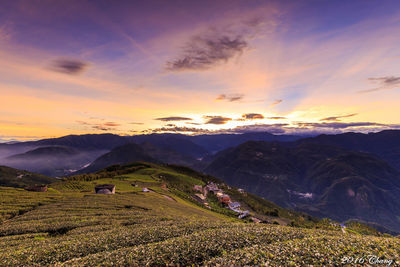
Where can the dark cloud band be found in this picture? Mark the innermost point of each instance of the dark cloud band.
(69, 66)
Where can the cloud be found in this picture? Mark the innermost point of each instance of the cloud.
(176, 129)
(216, 45)
(298, 128)
(101, 128)
(338, 125)
(278, 128)
(307, 128)
(276, 102)
(230, 97)
(204, 52)
(277, 118)
(216, 120)
(83, 122)
(107, 126)
(69, 66)
(174, 119)
(136, 123)
(337, 118)
(252, 116)
(388, 82)
(111, 124)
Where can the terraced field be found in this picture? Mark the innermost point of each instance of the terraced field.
(74, 227)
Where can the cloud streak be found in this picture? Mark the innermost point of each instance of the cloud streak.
(276, 102)
(230, 97)
(177, 118)
(337, 118)
(218, 120)
(252, 116)
(106, 126)
(388, 82)
(277, 118)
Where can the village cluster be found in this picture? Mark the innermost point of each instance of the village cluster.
(212, 188)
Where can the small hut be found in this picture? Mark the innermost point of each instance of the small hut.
(36, 188)
(105, 189)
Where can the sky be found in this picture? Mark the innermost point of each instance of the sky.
(198, 67)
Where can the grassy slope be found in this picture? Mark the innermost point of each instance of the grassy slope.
(18, 178)
(72, 226)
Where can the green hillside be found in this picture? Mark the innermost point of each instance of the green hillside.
(70, 225)
(18, 178)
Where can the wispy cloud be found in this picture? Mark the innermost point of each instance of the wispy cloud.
(177, 118)
(388, 82)
(204, 52)
(337, 118)
(69, 66)
(277, 118)
(338, 125)
(111, 124)
(106, 126)
(230, 97)
(216, 120)
(276, 102)
(252, 116)
(177, 129)
(216, 45)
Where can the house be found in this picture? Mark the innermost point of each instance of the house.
(105, 189)
(212, 187)
(200, 197)
(234, 205)
(36, 188)
(224, 198)
(198, 188)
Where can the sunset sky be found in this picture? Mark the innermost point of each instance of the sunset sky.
(134, 67)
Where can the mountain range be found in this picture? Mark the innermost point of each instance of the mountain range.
(324, 181)
(344, 176)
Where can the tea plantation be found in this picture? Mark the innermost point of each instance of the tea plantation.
(70, 225)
